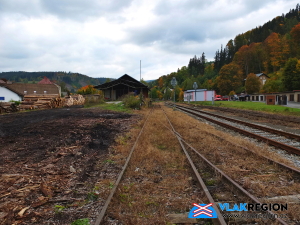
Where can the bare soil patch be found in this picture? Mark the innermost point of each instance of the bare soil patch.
(50, 161)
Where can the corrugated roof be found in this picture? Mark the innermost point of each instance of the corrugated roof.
(124, 80)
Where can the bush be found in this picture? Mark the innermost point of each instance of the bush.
(16, 102)
(131, 102)
(91, 100)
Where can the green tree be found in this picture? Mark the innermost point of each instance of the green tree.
(252, 84)
(177, 93)
(230, 78)
(153, 92)
(187, 84)
(167, 94)
(273, 84)
(291, 74)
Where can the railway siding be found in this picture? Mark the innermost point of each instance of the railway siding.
(282, 142)
(158, 185)
(251, 171)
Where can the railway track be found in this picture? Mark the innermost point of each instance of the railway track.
(216, 169)
(247, 113)
(189, 150)
(287, 141)
(115, 186)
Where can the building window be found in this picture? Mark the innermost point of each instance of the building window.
(45, 92)
(34, 92)
(25, 92)
(261, 98)
(292, 97)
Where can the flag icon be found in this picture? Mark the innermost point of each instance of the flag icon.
(203, 211)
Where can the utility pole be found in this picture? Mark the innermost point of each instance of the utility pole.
(195, 86)
(174, 83)
(140, 70)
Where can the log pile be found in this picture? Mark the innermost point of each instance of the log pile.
(41, 102)
(74, 100)
(7, 107)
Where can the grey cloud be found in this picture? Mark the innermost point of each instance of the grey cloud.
(172, 31)
(179, 30)
(27, 8)
(81, 10)
(210, 9)
(78, 10)
(192, 21)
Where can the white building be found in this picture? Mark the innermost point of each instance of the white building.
(7, 94)
(199, 95)
(16, 91)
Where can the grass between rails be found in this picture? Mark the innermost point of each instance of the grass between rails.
(257, 106)
(259, 177)
(157, 181)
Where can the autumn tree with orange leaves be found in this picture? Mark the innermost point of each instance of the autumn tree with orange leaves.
(160, 82)
(88, 90)
(230, 78)
(274, 50)
(295, 33)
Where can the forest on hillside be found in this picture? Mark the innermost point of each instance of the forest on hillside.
(67, 80)
(272, 49)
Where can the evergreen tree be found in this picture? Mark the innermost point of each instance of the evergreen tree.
(291, 74)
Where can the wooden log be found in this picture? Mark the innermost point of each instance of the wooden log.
(42, 96)
(27, 103)
(6, 104)
(41, 102)
(30, 99)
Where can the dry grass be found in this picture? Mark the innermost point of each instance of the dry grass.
(256, 174)
(158, 180)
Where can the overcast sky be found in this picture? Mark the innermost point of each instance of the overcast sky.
(108, 38)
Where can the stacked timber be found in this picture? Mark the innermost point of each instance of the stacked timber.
(7, 107)
(41, 102)
(74, 100)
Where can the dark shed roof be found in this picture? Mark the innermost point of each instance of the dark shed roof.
(123, 80)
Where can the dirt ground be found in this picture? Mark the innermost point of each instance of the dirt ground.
(50, 161)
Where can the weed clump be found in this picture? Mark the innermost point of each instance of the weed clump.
(131, 101)
(58, 208)
(84, 221)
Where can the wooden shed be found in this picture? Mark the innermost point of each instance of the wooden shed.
(124, 85)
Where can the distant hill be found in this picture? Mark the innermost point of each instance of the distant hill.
(105, 79)
(149, 81)
(67, 80)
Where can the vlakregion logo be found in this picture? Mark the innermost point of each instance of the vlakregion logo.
(203, 211)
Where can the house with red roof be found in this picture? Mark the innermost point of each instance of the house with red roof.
(16, 91)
